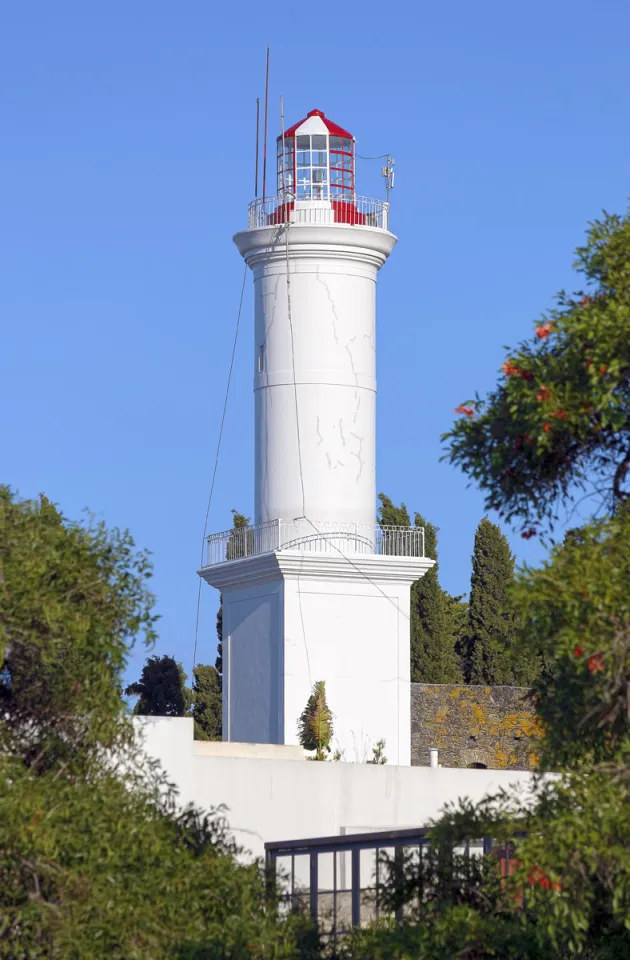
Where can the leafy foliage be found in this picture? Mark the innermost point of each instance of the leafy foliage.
(206, 709)
(71, 599)
(559, 421)
(435, 623)
(315, 726)
(96, 859)
(161, 689)
(493, 653)
(569, 894)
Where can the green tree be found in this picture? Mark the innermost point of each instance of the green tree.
(206, 697)
(559, 420)
(96, 860)
(315, 726)
(161, 689)
(492, 648)
(570, 840)
(435, 615)
(558, 423)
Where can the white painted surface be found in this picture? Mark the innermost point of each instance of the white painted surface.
(315, 369)
(292, 618)
(256, 751)
(270, 799)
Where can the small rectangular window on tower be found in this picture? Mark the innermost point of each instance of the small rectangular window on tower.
(261, 358)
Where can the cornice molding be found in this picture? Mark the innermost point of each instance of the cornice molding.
(334, 241)
(291, 565)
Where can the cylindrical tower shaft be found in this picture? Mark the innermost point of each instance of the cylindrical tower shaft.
(314, 377)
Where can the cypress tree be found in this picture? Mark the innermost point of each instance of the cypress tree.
(435, 615)
(491, 648)
(161, 689)
(207, 707)
(433, 623)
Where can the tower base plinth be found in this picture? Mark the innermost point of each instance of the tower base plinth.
(292, 618)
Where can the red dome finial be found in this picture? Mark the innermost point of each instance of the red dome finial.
(315, 113)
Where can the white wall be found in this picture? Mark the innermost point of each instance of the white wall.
(273, 799)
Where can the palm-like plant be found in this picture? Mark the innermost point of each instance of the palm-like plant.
(315, 726)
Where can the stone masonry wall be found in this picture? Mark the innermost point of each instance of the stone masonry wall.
(490, 726)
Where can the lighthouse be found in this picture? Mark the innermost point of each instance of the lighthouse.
(315, 589)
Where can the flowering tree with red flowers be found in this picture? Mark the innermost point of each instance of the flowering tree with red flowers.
(558, 421)
(557, 425)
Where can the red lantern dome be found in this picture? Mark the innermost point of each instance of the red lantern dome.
(316, 160)
(315, 165)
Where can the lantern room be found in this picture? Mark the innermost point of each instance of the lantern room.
(315, 160)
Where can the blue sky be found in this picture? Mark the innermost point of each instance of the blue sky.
(127, 165)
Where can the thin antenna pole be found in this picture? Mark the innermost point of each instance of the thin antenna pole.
(264, 183)
(284, 184)
(257, 141)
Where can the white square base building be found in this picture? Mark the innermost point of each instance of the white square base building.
(292, 618)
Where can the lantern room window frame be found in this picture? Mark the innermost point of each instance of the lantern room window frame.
(318, 166)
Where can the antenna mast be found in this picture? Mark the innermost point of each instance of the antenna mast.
(264, 182)
(257, 141)
(388, 173)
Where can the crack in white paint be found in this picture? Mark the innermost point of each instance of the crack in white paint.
(354, 372)
(319, 432)
(333, 309)
(357, 397)
(358, 455)
(343, 439)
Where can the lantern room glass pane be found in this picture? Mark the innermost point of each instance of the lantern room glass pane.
(304, 159)
(303, 143)
(319, 141)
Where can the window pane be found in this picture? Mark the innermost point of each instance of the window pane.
(288, 161)
(335, 143)
(347, 161)
(347, 144)
(304, 176)
(335, 176)
(319, 175)
(303, 143)
(347, 178)
(279, 147)
(304, 159)
(318, 158)
(319, 141)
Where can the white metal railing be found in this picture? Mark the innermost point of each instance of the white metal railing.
(352, 211)
(313, 537)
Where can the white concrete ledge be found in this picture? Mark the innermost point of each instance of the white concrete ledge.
(253, 751)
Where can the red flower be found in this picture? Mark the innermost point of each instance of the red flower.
(560, 415)
(595, 664)
(547, 427)
(602, 370)
(543, 394)
(585, 302)
(578, 651)
(510, 369)
(527, 375)
(544, 330)
(467, 411)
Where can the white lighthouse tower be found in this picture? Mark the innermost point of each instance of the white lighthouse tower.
(314, 589)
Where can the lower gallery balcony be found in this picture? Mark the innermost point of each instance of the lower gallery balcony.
(312, 536)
